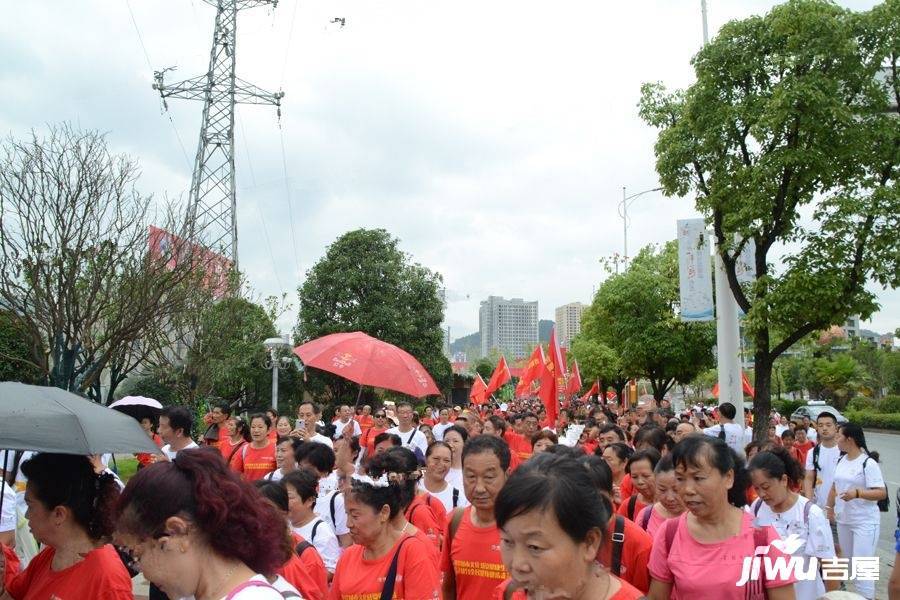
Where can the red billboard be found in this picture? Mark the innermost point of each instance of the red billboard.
(175, 250)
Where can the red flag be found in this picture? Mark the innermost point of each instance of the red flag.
(549, 392)
(500, 377)
(595, 389)
(532, 371)
(477, 393)
(574, 386)
(745, 386)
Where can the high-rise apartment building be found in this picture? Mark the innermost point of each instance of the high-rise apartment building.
(568, 322)
(510, 326)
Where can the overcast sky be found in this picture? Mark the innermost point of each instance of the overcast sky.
(493, 138)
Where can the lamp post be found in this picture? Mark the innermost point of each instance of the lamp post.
(273, 345)
(623, 213)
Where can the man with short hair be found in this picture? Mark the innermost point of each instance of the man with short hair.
(811, 434)
(385, 441)
(683, 429)
(472, 536)
(727, 429)
(821, 461)
(410, 436)
(308, 414)
(175, 424)
(345, 425)
(221, 412)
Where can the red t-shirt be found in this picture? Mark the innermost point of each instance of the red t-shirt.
(625, 592)
(638, 507)
(255, 463)
(367, 440)
(366, 422)
(799, 451)
(306, 572)
(12, 565)
(144, 458)
(428, 515)
(99, 576)
(474, 558)
(356, 578)
(518, 445)
(635, 554)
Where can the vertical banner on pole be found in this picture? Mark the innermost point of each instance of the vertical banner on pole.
(694, 271)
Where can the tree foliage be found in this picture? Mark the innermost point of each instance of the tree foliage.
(16, 352)
(366, 283)
(635, 314)
(76, 270)
(788, 118)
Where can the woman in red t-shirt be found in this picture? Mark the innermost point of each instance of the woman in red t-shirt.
(257, 459)
(148, 426)
(551, 528)
(367, 439)
(362, 571)
(238, 435)
(76, 562)
(640, 467)
(616, 456)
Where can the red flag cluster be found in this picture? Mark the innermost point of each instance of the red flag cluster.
(549, 369)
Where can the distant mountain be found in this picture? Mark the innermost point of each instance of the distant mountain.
(545, 326)
(465, 343)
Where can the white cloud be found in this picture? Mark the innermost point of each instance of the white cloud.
(493, 138)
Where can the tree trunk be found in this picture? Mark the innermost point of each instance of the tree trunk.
(762, 401)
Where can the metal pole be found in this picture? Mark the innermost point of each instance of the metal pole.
(705, 28)
(624, 227)
(274, 382)
(728, 352)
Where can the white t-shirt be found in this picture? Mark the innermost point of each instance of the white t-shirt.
(848, 474)
(20, 480)
(812, 435)
(281, 584)
(275, 475)
(411, 439)
(828, 459)
(324, 540)
(322, 439)
(8, 518)
(446, 497)
(816, 534)
(779, 429)
(167, 449)
(257, 592)
(328, 490)
(455, 478)
(339, 428)
(734, 435)
(439, 429)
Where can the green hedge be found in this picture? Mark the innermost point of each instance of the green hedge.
(876, 420)
(889, 404)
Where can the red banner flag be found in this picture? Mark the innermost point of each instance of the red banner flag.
(595, 389)
(553, 366)
(574, 386)
(745, 386)
(500, 377)
(532, 371)
(477, 393)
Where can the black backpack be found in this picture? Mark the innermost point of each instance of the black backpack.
(884, 505)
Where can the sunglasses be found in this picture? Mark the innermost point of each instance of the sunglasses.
(379, 416)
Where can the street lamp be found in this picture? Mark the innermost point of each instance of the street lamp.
(273, 345)
(623, 213)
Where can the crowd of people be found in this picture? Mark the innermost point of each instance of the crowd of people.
(468, 503)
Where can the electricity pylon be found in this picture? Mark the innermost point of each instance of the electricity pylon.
(212, 206)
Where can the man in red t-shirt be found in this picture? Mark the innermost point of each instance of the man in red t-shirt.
(470, 558)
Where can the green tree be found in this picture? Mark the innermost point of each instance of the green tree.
(787, 140)
(17, 352)
(636, 315)
(597, 360)
(228, 358)
(366, 283)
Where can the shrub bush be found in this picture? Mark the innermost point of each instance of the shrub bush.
(876, 420)
(889, 404)
(861, 403)
(787, 407)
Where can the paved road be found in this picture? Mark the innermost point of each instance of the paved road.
(888, 446)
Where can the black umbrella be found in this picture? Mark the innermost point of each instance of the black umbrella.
(49, 419)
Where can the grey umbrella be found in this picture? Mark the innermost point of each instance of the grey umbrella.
(48, 419)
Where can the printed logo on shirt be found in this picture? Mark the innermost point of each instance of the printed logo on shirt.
(474, 568)
(859, 568)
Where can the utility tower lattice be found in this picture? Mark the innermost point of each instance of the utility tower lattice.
(212, 206)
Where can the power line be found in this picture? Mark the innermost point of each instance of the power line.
(287, 48)
(269, 246)
(287, 188)
(137, 30)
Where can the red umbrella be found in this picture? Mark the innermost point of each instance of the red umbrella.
(368, 361)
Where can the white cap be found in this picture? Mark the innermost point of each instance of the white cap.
(504, 406)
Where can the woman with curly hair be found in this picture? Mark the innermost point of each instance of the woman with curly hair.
(196, 529)
(71, 512)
